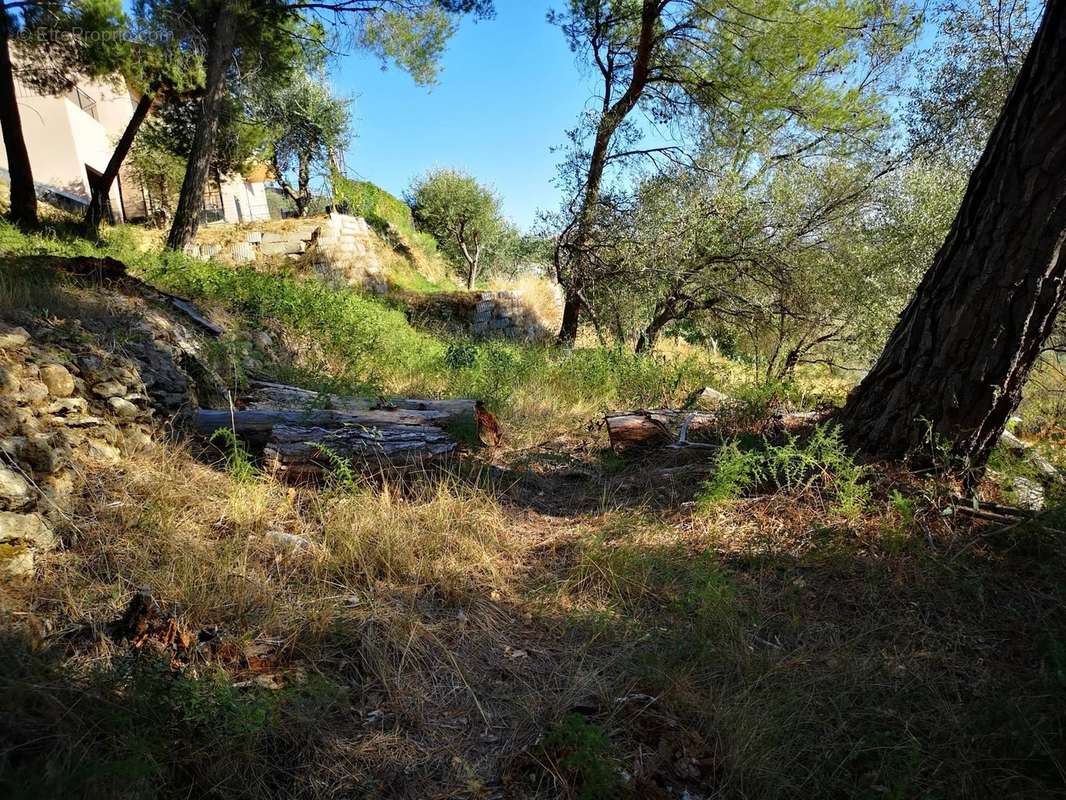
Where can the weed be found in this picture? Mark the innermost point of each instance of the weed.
(582, 751)
(238, 460)
(821, 459)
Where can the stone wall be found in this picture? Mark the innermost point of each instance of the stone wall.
(505, 314)
(340, 248)
(71, 406)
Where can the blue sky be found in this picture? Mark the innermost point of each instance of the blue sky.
(508, 91)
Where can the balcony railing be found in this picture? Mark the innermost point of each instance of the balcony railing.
(84, 102)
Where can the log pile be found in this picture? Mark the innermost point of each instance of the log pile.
(300, 432)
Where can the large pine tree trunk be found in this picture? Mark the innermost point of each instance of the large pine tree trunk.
(94, 214)
(191, 201)
(23, 194)
(956, 362)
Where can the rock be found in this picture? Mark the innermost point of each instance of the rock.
(58, 379)
(41, 454)
(28, 528)
(137, 440)
(290, 542)
(90, 366)
(123, 408)
(107, 389)
(9, 382)
(263, 340)
(1030, 494)
(10, 338)
(11, 446)
(16, 561)
(15, 493)
(67, 406)
(708, 399)
(99, 450)
(32, 392)
(59, 488)
(1013, 443)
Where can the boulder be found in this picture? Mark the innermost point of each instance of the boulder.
(99, 450)
(108, 389)
(15, 493)
(32, 392)
(10, 338)
(9, 382)
(43, 453)
(27, 528)
(123, 408)
(58, 379)
(16, 561)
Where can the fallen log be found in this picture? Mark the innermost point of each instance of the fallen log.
(257, 427)
(667, 427)
(310, 452)
(266, 396)
(661, 427)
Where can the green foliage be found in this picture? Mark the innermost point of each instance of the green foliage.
(62, 42)
(584, 753)
(796, 465)
(965, 73)
(736, 472)
(156, 167)
(305, 124)
(463, 216)
(237, 459)
(137, 728)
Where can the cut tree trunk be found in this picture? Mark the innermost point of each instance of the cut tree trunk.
(954, 367)
(191, 201)
(94, 214)
(308, 452)
(303, 438)
(257, 427)
(23, 210)
(660, 427)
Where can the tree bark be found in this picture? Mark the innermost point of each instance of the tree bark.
(300, 452)
(191, 201)
(955, 365)
(613, 116)
(23, 210)
(94, 214)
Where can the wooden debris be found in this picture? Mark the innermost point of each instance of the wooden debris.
(661, 427)
(306, 452)
(488, 429)
(144, 623)
(302, 433)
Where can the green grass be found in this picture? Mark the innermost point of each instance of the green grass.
(367, 345)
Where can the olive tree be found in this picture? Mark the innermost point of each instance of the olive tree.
(462, 215)
(305, 125)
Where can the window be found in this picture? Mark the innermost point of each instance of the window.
(84, 102)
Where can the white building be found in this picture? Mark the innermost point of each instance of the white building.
(70, 139)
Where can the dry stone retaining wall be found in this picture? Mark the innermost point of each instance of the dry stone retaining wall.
(339, 248)
(506, 314)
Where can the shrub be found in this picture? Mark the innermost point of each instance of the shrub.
(821, 460)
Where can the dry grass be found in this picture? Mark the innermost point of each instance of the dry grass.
(432, 632)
